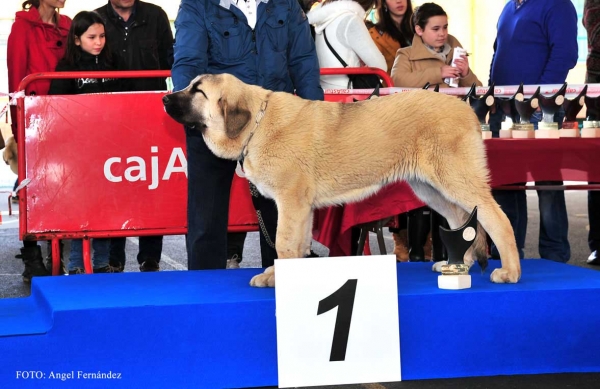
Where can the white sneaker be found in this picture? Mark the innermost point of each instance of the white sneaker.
(232, 263)
(593, 258)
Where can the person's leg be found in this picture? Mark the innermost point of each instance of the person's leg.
(209, 187)
(117, 253)
(100, 260)
(150, 252)
(514, 205)
(554, 224)
(76, 257)
(594, 220)
(31, 253)
(235, 249)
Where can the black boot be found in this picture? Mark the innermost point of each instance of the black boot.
(438, 250)
(34, 263)
(418, 229)
(62, 270)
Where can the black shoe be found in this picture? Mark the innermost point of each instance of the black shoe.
(593, 259)
(34, 263)
(149, 265)
(76, 271)
(117, 267)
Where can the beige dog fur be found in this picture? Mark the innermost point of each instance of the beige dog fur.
(310, 154)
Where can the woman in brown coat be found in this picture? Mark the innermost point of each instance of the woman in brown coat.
(428, 59)
(393, 29)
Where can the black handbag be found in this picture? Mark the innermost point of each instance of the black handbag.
(357, 81)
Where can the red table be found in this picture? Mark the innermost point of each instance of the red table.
(509, 160)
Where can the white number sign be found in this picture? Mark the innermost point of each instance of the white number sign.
(337, 320)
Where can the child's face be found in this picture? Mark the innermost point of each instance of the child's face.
(92, 40)
(436, 31)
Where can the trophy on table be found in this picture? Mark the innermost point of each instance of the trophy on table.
(570, 127)
(482, 105)
(525, 107)
(455, 274)
(548, 128)
(591, 126)
(509, 108)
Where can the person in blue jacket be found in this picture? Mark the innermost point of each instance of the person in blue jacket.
(261, 42)
(536, 44)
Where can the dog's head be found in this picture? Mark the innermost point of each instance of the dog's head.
(221, 107)
(10, 154)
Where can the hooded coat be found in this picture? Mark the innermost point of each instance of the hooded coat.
(344, 23)
(34, 47)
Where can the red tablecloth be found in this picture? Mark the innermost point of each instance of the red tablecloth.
(509, 160)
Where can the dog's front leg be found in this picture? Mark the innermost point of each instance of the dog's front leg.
(294, 223)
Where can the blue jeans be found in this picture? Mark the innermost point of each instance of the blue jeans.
(100, 256)
(554, 224)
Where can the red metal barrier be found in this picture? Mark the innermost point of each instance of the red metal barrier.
(102, 167)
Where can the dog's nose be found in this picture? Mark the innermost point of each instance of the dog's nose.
(165, 99)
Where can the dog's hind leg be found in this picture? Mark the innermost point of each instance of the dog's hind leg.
(470, 189)
(294, 231)
(456, 217)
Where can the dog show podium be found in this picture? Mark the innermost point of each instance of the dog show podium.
(210, 329)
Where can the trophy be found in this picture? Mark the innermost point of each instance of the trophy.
(482, 105)
(525, 107)
(438, 250)
(591, 126)
(548, 128)
(509, 108)
(455, 274)
(570, 127)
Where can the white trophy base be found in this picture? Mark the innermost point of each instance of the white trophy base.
(454, 282)
(520, 134)
(547, 134)
(506, 134)
(569, 133)
(486, 135)
(590, 132)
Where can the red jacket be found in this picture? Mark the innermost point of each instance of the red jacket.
(33, 47)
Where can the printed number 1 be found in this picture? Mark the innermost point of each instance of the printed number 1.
(343, 298)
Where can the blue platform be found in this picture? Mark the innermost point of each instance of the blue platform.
(211, 330)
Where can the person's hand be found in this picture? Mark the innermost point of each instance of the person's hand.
(462, 64)
(449, 72)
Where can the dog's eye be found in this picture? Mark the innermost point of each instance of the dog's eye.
(198, 90)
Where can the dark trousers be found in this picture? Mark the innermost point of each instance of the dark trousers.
(594, 219)
(150, 248)
(209, 187)
(554, 223)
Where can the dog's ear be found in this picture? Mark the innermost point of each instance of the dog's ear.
(235, 116)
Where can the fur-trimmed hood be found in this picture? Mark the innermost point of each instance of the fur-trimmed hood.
(323, 14)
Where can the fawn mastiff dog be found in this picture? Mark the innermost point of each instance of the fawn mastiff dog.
(309, 154)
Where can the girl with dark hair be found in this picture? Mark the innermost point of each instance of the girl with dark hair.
(428, 59)
(36, 43)
(393, 29)
(87, 51)
(340, 31)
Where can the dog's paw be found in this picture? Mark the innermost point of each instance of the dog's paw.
(504, 276)
(437, 266)
(264, 280)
